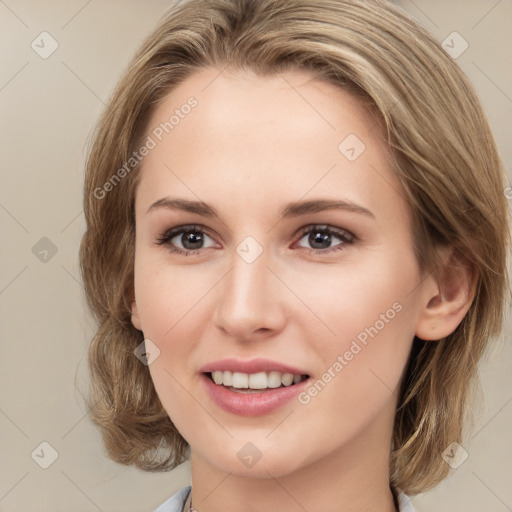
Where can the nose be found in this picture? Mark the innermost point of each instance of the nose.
(250, 302)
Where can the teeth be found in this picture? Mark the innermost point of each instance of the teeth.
(258, 380)
(273, 379)
(240, 380)
(217, 377)
(227, 378)
(261, 380)
(287, 379)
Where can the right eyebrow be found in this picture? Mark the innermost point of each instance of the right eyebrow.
(199, 207)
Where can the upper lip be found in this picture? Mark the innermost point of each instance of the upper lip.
(250, 366)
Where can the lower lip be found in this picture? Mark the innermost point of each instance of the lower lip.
(251, 404)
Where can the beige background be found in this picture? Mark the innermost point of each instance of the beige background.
(48, 108)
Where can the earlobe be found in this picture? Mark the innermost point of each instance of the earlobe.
(135, 317)
(448, 297)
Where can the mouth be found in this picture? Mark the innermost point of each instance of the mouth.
(253, 387)
(260, 382)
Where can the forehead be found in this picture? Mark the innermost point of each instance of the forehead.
(287, 106)
(251, 138)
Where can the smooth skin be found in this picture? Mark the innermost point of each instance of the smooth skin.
(252, 145)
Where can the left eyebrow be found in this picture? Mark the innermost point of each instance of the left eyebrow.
(317, 205)
(293, 209)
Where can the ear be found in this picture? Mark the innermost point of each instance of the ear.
(135, 312)
(135, 316)
(448, 296)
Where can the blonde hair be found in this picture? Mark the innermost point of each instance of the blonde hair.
(445, 157)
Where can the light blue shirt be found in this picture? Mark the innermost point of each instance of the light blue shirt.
(176, 502)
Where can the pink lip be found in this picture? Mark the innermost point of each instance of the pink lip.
(251, 366)
(251, 404)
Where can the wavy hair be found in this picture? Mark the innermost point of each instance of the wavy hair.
(445, 157)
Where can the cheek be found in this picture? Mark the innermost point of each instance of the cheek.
(170, 308)
(368, 324)
(167, 295)
(357, 384)
(359, 302)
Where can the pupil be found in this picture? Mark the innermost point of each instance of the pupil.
(318, 238)
(195, 240)
(192, 239)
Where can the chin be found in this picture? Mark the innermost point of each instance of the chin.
(247, 460)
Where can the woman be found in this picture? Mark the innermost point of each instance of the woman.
(296, 254)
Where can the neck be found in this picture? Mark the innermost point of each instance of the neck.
(355, 477)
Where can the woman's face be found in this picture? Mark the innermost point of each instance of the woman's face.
(295, 256)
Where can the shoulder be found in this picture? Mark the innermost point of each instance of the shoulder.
(175, 502)
(404, 503)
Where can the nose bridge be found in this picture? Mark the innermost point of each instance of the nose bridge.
(249, 299)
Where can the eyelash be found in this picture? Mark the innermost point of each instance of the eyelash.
(346, 237)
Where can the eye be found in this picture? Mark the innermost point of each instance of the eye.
(189, 240)
(190, 237)
(320, 238)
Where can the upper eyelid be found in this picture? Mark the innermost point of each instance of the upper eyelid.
(176, 230)
(170, 233)
(327, 227)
